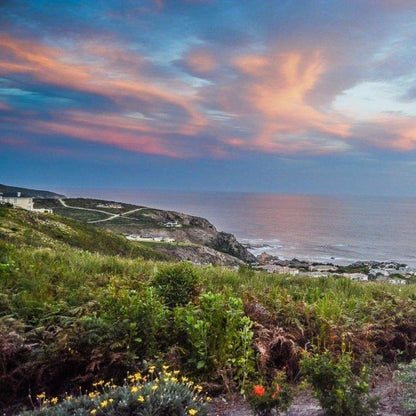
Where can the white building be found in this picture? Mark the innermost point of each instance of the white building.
(22, 202)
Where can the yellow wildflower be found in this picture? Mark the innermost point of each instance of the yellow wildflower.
(140, 399)
(54, 400)
(134, 389)
(104, 403)
(199, 388)
(152, 369)
(41, 396)
(176, 372)
(154, 387)
(192, 412)
(93, 411)
(165, 367)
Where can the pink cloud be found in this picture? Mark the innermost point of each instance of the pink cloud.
(4, 107)
(274, 87)
(118, 77)
(201, 61)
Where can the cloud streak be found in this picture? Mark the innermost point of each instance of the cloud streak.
(163, 84)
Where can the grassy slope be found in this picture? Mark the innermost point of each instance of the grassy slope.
(23, 228)
(72, 310)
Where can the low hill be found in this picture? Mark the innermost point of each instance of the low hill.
(199, 240)
(30, 229)
(29, 193)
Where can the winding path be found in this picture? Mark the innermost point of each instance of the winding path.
(110, 216)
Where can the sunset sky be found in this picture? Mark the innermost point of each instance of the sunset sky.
(293, 96)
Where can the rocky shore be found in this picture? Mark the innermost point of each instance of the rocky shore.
(391, 272)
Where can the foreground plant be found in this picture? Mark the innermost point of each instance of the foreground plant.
(406, 377)
(340, 392)
(164, 394)
(266, 399)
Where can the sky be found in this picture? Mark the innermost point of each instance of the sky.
(290, 96)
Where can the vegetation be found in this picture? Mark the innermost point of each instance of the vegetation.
(177, 284)
(406, 377)
(275, 398)
(79, 305)
(340, 391)
(167, 394)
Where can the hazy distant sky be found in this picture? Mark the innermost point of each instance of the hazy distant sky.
(303, 96)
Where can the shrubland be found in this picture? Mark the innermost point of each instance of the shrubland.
(79, 305)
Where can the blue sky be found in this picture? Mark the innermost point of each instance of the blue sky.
(286, 96)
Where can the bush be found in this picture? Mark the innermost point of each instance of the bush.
(339, 391)
(177, 284)
(217, 337)
(164, 395)
(406, 377)
(277, 398)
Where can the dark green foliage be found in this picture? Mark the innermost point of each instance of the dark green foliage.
(217, 338)
(177, 284)
(339, 391)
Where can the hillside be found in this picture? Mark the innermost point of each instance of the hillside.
(80, 305)
(29, 193)
(29, 229)
(199, 240)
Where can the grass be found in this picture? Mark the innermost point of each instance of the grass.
(77, 305)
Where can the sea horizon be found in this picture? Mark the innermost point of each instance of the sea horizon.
(339, 229)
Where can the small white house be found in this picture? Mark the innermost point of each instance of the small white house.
(172, 224)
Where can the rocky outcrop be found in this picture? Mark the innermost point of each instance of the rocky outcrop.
(227, 243)
(391, 272)
(200, 231)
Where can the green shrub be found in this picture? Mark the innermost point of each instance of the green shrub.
(165, 395)
(339, 391)
(265, 401)
(217, 337)
(406, 377)
(177, 284)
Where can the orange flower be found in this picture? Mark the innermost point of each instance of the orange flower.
(334, 337)
(259, 390)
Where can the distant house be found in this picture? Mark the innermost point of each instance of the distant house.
(17, 200)
(172, 224)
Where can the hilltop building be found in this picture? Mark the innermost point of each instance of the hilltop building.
(18, 201)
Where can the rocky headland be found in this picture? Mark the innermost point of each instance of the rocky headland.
(177, 235)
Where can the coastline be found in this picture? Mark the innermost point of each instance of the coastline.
(370, 270)
(340, 230)
(339, 255)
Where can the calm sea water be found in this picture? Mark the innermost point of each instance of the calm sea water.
(320, 228)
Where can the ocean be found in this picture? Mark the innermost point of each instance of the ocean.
(336, 229)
